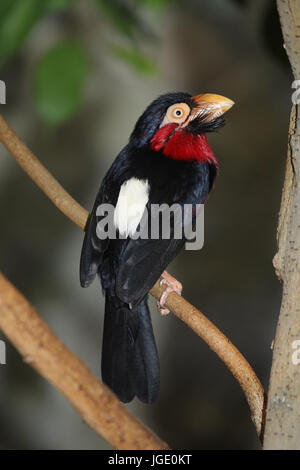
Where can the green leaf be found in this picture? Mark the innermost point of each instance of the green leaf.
(58, 4)
(123, 16)
(4, 7)
(16, 21)
(135, 59)
(155, 4)
(59, 82)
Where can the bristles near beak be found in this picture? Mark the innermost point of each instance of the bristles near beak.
(209, 107)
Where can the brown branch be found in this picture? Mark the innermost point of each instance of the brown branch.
(221, 345)
(95, 403)
(283, 411)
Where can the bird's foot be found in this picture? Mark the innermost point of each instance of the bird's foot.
(172, 286)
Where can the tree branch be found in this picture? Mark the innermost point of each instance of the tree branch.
(283, 411)
(221, 345)
(95, 403)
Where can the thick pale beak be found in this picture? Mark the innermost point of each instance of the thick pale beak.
(210, 106)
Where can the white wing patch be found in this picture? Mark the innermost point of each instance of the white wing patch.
(132, 200)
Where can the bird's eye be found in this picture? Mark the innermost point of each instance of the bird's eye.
(177, 113)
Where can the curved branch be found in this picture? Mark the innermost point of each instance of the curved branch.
(95, 403)
(221, 345)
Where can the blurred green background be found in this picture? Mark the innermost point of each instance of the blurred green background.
(78, 75)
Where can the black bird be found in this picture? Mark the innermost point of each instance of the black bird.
(167, 160)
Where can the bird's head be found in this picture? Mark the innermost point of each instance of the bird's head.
(175, 125)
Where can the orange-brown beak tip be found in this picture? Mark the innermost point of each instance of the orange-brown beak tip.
(212, 105)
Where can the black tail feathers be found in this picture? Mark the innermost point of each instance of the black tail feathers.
(130, 365)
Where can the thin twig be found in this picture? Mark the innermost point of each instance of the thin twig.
(95, 403)
(221, 345)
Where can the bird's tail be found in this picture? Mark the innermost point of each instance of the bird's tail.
(130, 364)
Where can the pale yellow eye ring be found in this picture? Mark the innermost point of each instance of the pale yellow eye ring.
(177, 113)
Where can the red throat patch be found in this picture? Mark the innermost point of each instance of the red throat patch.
(182, 145)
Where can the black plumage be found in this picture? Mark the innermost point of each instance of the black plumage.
(128, 268)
